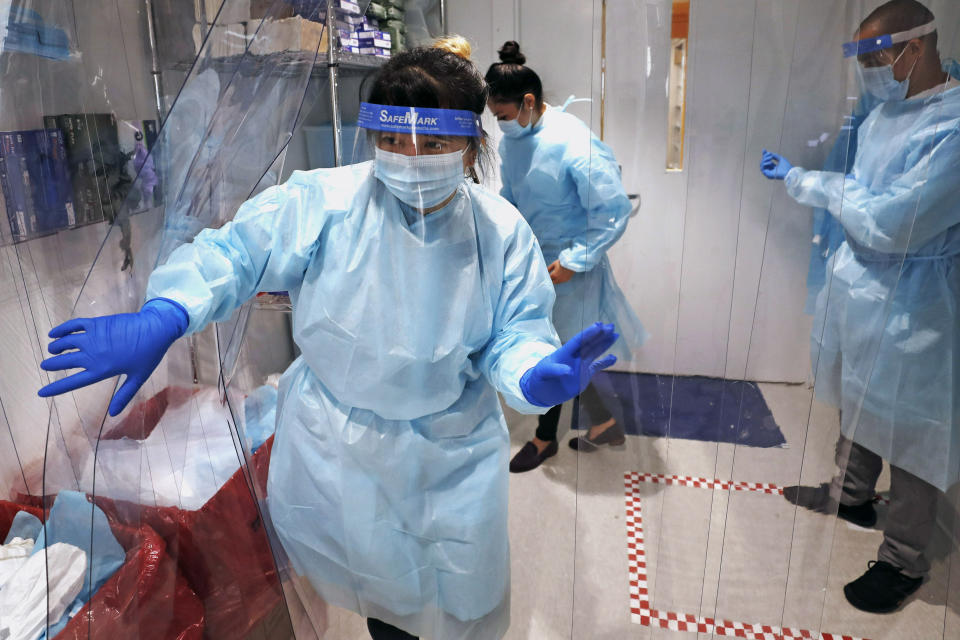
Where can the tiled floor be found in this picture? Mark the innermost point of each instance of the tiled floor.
(740, 556)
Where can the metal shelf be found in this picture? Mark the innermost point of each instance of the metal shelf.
(286, 63)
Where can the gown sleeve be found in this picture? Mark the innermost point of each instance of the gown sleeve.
(266, 247)
(597, 179)
(523, 332)
(905, 213)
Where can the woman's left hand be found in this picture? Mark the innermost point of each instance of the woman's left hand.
(558, 273)
(567, 371)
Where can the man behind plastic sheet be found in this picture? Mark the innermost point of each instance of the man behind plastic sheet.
(887, 346)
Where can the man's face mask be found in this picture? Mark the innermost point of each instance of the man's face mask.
(881, 83)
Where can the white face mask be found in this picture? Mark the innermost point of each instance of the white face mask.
(881, 83)
(422, 181)
(513, 128)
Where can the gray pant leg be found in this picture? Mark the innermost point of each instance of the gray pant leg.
(910, 524)
(862, 468)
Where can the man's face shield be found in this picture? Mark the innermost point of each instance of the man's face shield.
(878, 51)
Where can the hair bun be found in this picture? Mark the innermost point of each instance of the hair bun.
(510, 53)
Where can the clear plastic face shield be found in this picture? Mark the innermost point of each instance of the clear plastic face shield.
(421, 156)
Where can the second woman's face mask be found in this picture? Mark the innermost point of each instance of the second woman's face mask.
(513, 128)
(422, 181)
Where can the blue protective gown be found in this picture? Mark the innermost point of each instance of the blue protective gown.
(388, 476)
(566, 183)
(890, 352)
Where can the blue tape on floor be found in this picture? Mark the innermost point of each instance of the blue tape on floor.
(706, 409)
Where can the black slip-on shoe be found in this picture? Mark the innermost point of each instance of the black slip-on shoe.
(528, 458)
(614, 436)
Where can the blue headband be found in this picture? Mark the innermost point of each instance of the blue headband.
(438, 122)
(869, 45)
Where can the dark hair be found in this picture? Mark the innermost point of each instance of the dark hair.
(509, 80)
(431, 78)
(510, 53)
(901, 15)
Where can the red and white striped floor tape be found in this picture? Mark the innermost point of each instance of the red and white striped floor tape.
(641, 610)
(723, 485)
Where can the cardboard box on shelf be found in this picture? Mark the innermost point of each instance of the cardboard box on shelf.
(15, 185)
(233, 11)
(352, 20)
(224, 40)
(372, 42)
(270, 9)
(289, 34)
(35, 181)
(53, 192)
(93, 161)
(374, 51)
(346, 6)
(372, 33)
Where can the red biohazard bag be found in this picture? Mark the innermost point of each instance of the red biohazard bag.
(222, 548)
(146, 598)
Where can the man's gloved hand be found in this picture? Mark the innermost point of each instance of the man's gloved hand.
(132, 344)
(567, 371)
(774, 165)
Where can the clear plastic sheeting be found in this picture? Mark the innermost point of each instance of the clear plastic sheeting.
(741, 453)
(128, 129)
(325, 445)
(769, 336)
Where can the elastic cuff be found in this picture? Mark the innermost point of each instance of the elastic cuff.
(793, 176)
(524, 382)
(185, 317)
(577, 268)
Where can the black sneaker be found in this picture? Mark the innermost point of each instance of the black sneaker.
(882, 589)
(818, 499)
(528, 458)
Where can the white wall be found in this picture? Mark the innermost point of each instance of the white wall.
(715, 263)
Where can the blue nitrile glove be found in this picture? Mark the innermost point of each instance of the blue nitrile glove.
(129, 343)
(567, 371)
(774, 165)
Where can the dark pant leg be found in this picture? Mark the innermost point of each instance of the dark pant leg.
(547, 424)
(594, 410)
(861, 469)
(380, 630)
(910, 524)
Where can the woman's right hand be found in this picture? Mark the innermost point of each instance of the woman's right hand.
(132, 344)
